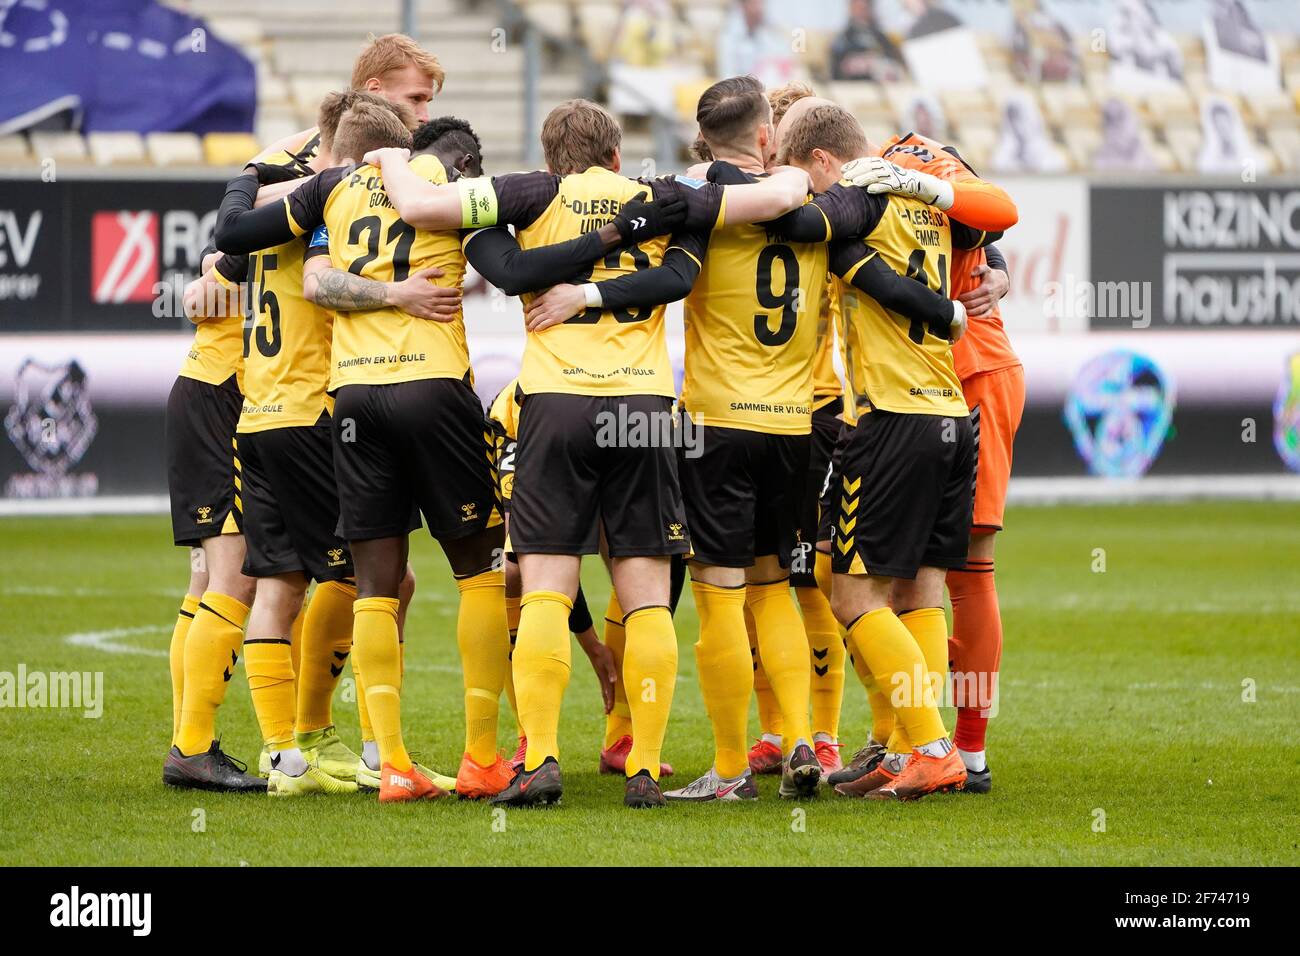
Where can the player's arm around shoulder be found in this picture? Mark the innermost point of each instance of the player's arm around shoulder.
(783, 191)
(420, 203)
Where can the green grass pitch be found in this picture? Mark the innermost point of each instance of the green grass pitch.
(1122, 704)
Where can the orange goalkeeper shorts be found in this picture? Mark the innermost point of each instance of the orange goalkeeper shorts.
(1000, 398)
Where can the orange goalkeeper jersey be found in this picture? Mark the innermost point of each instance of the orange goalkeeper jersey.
(985, 347)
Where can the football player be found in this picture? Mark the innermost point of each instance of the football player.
(577, 473)
(993, 380)
(906, 469)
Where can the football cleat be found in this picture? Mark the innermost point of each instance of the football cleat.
(517, 760)
(613, 759)
(870, 781)
(712, 787)
(924, 775)
(311, 780)
(764, 757)
(533, 788)
(213, 770)
(828, 755)
(404, 786)
(642, 792)
(978, 781)
(366, 778)
(801, 774)
(863, 762)
(475, 781)
(264, 762)
(326, 749)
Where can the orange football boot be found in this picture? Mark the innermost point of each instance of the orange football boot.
(924, 774)
(517, 761)
(475, 781)
(765, 757)
(613, 759)
(828, 755)
(868, 783)
(401, 786)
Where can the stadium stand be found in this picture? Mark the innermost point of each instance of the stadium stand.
(600, 48)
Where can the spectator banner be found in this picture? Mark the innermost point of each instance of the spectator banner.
(1189, 257)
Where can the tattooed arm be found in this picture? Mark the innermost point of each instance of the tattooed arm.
(344, 292)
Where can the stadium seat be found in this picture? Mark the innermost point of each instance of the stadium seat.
(14, 150)
(229, 149)
(1285, 143)
(108, 149)
(61, 147)
(174, 149)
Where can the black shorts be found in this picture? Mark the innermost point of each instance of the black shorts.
(291, 504)
(828, 497)
(203, 459)
(906, 490)
(825, 430)
(587, 461)
(413, 445)
(743, 494)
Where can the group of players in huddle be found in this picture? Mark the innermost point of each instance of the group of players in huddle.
(818, 522)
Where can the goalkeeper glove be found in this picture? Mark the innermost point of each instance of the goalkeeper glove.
(879, 175)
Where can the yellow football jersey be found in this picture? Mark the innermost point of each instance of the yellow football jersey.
(894, 363)
(218, 348)
(217, 351)
(286, 345)
(826, 381)
(751, 332)
(598, 352)
(368, 238)
(504, 418)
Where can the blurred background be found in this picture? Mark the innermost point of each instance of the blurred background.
(1153, 147)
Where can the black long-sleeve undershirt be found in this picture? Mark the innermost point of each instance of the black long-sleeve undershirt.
(495, 253)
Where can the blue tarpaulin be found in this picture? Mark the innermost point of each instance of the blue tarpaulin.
(119, 65)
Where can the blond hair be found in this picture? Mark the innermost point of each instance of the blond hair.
(367, 125)
(579, 134)
(394, 51)
(334, 105)
(783, 97)
(829, 128)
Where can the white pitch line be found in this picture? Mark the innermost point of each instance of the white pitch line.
(106, 640)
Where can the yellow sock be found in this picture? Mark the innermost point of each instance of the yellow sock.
(929, 627)
(378, 653)
(483, 635)
(176, 653)
(542, 665)
(326, 644)
(211, 653)
(769, 711)
(882, 714)
(783, 646)
(618, 722)
(269, 662)
(650, 671)
(827, 649)
(363, 711)
(295, 642)
(896, 661)
(726, 672)
(512, 625)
